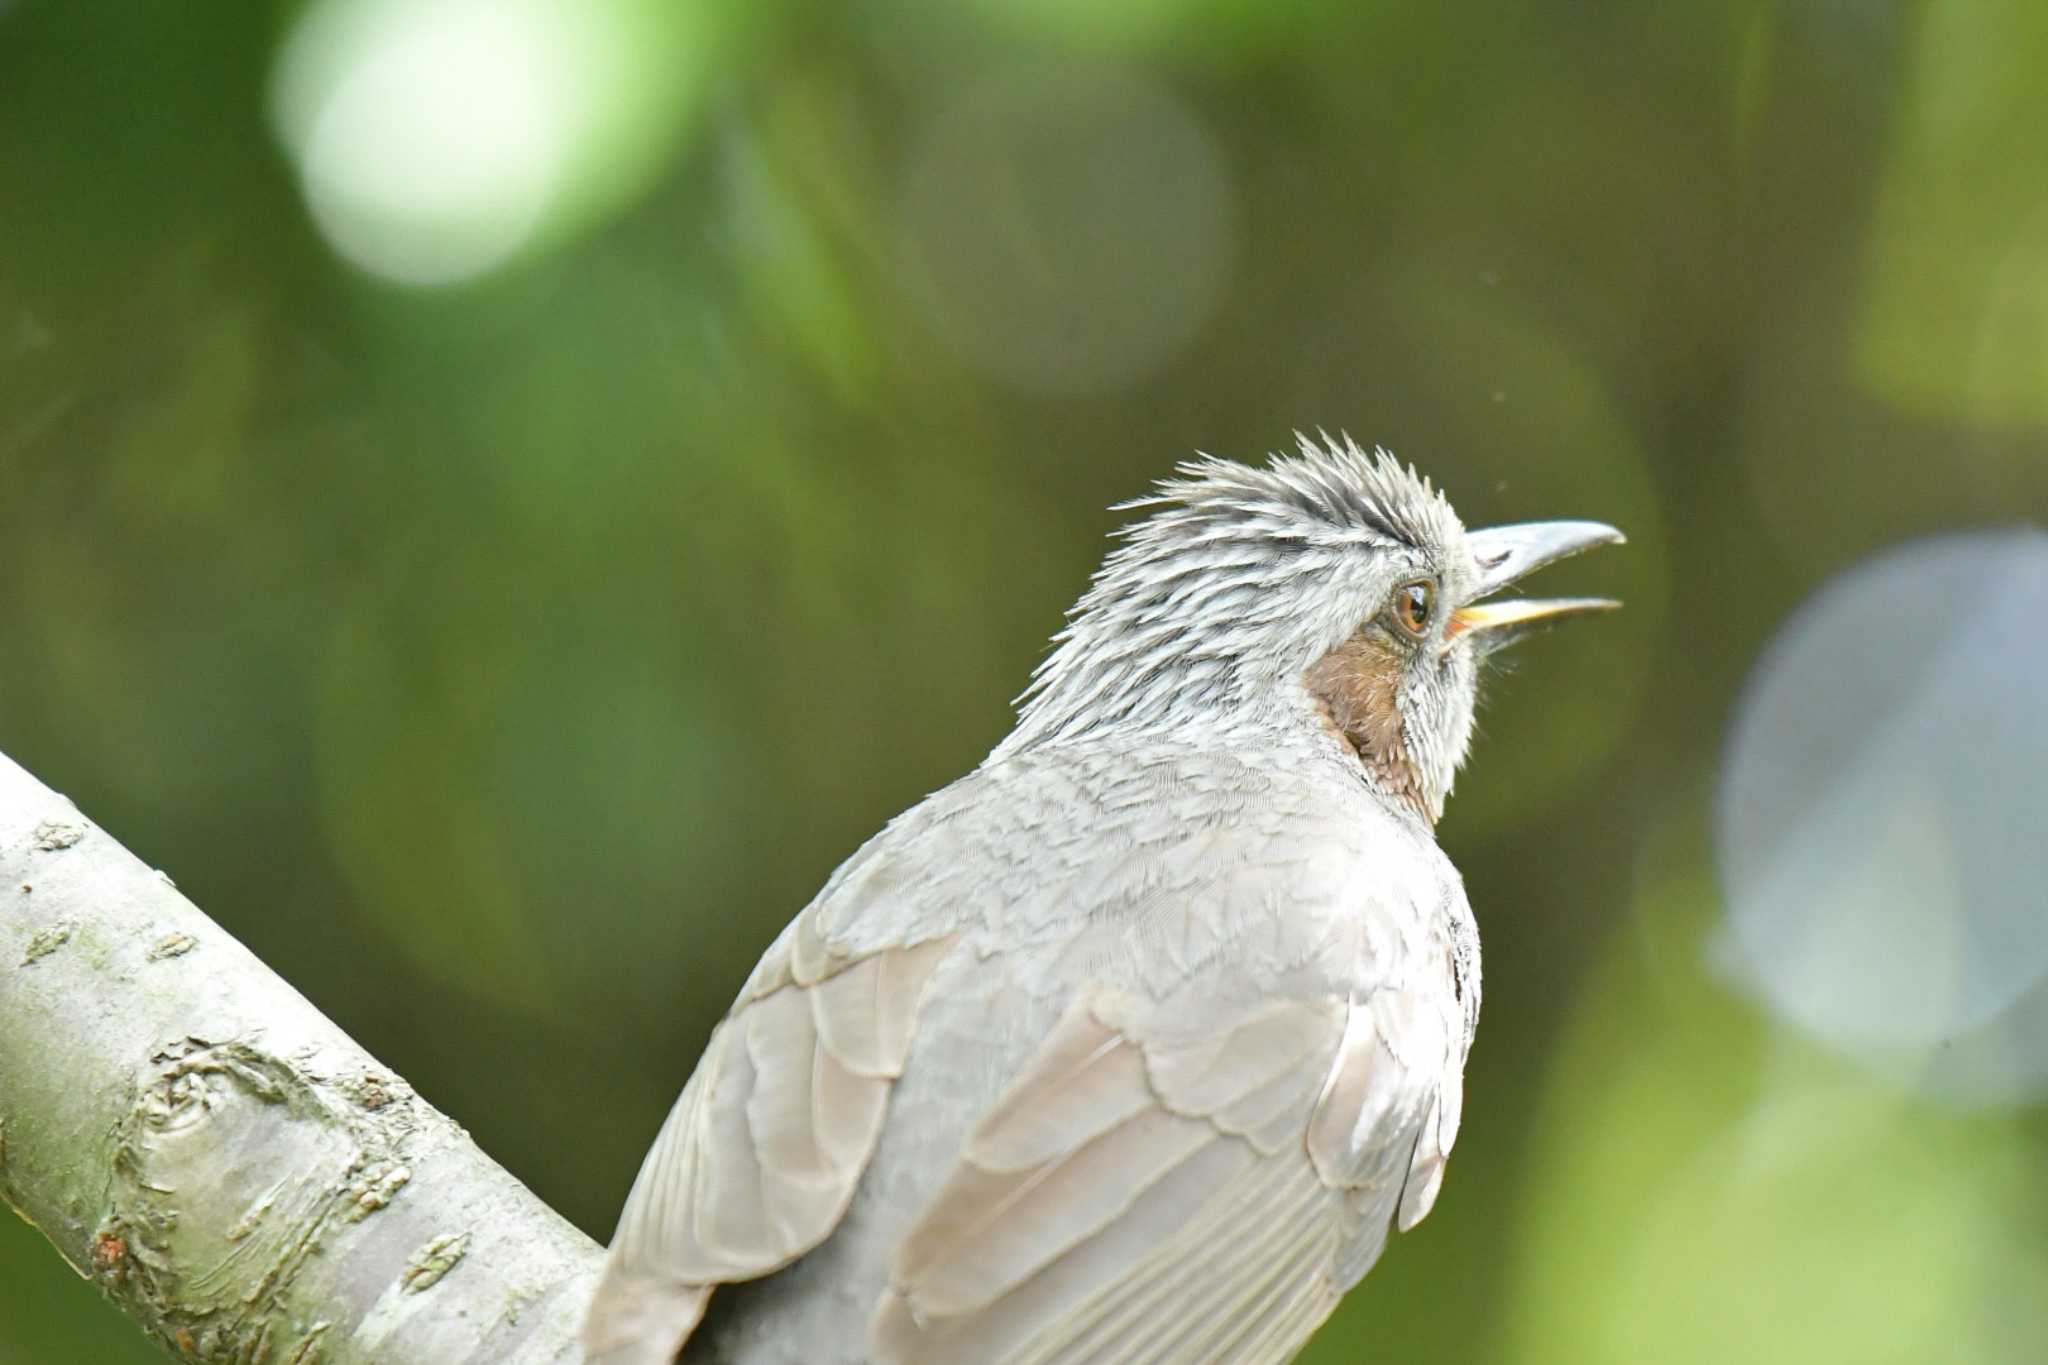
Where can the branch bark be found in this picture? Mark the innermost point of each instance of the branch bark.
(227, 1165)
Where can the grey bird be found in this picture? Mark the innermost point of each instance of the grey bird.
(1134, 1043)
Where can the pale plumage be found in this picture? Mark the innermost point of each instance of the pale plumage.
(1131, 1045)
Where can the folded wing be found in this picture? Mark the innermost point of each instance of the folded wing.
(761, 1154)
(1154, 1190)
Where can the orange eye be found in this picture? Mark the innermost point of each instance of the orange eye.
(1413, 605)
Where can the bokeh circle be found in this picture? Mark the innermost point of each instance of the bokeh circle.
(1883, 819)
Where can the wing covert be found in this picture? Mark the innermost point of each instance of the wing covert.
(761, 1154)
(1154, 1189)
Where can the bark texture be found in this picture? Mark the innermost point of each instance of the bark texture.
(229, 1167)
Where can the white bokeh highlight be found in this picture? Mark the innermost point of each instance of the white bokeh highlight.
(1883, 817)
(434, 137)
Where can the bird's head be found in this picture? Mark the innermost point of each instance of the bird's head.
(1334, 589)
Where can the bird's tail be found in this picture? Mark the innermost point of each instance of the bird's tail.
(640, 1319)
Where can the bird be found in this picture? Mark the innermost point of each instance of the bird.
(1136, 1042)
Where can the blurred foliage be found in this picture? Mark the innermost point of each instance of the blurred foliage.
(506, 661)
(1703, 1186)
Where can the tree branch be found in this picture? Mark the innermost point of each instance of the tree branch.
(226, 1164)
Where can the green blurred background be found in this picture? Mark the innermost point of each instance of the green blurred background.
(499, 496)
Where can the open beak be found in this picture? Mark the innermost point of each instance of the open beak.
(1507, 554)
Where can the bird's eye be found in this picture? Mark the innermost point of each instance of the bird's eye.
(1413, 605)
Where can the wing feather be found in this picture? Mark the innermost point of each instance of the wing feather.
(1151, 1189)
(1021, 1221)
(1208, 1278)
(760, 1157)
(1127, 1324)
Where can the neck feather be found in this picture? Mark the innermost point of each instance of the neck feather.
(1357, 686)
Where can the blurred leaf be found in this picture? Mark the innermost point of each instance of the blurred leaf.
(1954, 315)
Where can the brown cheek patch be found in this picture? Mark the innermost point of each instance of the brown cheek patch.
(1357, 684)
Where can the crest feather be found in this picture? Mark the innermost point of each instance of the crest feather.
(1332, 491)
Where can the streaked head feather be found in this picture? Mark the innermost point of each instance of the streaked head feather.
(1237, 580)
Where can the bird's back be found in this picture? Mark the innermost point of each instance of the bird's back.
(1198, 880)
